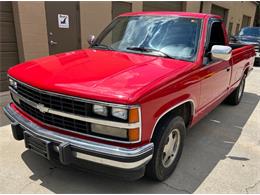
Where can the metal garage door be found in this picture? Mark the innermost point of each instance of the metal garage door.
(163, 6)
(217, 10)
(246, 21)
(8, 46)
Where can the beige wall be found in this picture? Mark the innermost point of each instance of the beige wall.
(236, 10)
(92, 22)
(94, 17)
(137, 6)
(31, 32)
(192, 6)
(31, 28)
(32, 36)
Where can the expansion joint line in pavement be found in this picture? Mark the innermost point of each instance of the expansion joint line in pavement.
(174, 188)
(252, 186)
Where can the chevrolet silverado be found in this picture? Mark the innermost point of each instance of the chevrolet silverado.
(125, 104)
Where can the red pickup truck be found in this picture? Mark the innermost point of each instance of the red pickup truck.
(125, 104)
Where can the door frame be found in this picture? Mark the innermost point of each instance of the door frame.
(206, 67)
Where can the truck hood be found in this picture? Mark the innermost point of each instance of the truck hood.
(111, 76)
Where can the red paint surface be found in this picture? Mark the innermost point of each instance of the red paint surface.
(156, 83)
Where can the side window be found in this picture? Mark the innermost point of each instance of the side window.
(216, 35)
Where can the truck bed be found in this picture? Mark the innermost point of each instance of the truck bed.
(236, 45)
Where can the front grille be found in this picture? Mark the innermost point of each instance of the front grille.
(257, 48)
(59, 103)
(55, 120)
(63, 104)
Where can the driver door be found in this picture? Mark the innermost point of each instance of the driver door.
(215, 73)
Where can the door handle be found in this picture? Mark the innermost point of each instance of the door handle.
(228, 69)
(53, 42)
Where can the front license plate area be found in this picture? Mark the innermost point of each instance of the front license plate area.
(39, 146)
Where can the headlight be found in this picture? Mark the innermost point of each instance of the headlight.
(100, 110)
(120, 113)
(124, 132)
(13, 83)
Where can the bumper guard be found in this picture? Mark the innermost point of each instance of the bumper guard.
(44, 141)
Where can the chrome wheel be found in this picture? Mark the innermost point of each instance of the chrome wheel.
(171, 148)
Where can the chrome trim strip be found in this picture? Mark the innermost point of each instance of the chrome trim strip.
(175, 106)
(77, 98)
(86, 145)
(122, 165)
(76, 117)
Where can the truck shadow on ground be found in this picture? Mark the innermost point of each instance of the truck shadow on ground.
(207, 143)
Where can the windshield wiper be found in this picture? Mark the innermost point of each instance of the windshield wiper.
(103, 46)
(147, 49)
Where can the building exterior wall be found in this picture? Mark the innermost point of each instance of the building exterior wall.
(137, 6)
(31, 30)
(192, 6)
(92, 22)
(236, 10)
(94, 17)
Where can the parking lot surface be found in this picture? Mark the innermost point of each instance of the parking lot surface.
(221, 155)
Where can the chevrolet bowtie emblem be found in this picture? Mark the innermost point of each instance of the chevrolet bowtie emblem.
(42, 108)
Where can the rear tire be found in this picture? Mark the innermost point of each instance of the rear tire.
(235, 97)
(168, 144)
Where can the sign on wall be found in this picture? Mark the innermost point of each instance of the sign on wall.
(63, 21)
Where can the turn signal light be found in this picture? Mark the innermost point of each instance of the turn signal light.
(133, 134)
(133, 115)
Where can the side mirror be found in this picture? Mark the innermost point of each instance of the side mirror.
(91, 39)
(221, 52)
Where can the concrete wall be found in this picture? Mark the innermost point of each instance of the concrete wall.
(192, 6)
(31, 30)
(236, 10)
(137, 6)
(94, 17)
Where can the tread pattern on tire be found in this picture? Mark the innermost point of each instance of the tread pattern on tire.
(152, 167)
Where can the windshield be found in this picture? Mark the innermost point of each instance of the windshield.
(254, 32)
(174, 37)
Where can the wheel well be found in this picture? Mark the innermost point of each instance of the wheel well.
(184, 110)
(246, 71)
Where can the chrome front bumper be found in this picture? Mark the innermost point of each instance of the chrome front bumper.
(70, 148)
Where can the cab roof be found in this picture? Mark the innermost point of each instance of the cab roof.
(167, 13)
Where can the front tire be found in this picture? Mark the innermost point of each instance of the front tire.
(168, 144)
(235, 97)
